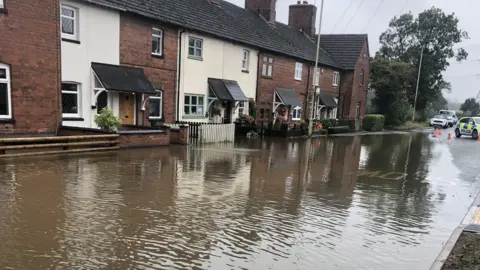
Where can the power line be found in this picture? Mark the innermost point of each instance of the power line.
(341, 17)
(374, 14)
(353, 16)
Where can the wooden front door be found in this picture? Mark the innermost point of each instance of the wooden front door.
(127, 108)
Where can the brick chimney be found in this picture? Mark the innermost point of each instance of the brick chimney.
(302, 16)
(264, 8)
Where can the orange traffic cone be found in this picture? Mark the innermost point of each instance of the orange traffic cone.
(449, 137)
(478, 139)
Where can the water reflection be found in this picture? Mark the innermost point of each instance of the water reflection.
(271, 204)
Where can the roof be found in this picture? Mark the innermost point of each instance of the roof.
(327, 100)
(122, 78)
(227, 90)
(227, 21)
(344, 48)
(288, 96)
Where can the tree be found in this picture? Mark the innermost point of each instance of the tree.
(471, 106)
(390, 79)
(435, 33)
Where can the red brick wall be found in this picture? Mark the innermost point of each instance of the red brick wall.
(346, 85)
(179, 136)
(30, 44)
(136, 50)
(283, 76)
(144, 140)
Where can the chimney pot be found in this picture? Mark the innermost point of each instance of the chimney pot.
(305, 2)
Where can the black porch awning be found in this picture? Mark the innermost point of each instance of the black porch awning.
(123, 79)
(227, 90)
(288, 96)
(328, 100)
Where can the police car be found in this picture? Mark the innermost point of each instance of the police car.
(468, 126)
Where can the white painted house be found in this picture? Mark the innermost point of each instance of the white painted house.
(217, 79)
(92, 78)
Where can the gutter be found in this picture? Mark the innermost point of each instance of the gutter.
(179, 69)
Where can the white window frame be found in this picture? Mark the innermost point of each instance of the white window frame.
(75, 22)
(159, 96)
(241, 108)
(2, 4)
(267, 66)
(298, 71)
(336, 78)
(9, 91)
(297, 113)
(194, 105)
(195, 48)
(79, 105)
(159, 38)
(245, 60)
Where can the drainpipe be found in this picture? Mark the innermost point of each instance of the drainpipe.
(308, 92)
(179, 69)
(258, 82)
(339, 95)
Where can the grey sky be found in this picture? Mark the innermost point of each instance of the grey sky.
(463, 76)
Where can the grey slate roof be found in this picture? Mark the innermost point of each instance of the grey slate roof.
(226, 21)
(288, 96)
(344, 48)
(227, 90)
(327, 100)
(123, 78)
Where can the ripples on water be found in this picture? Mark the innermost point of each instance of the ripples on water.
(255, 205)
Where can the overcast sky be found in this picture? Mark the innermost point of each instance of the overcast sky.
(360, 16)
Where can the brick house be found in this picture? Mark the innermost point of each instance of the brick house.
(29, 67)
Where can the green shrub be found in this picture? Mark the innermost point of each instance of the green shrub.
(107, 121)
(373, 122)
(338, 130)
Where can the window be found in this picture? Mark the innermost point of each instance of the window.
(155, 105)
(241, 108)
(246, 57)
(69, 22)
(298, 71)
(362, 76)
(157, 42)
(2, 5)
(267, 66)
(195, 48)
(357, 111)
(336, 78)
(296, 113)
(193, 105)
(70, 99)
(5, 92)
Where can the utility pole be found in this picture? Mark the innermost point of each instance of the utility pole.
(418, 81)
(312, 94)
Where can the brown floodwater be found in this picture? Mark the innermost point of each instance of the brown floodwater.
(371, 202)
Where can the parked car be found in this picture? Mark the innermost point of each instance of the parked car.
(451, 117)
(468, 126)
(439, 120)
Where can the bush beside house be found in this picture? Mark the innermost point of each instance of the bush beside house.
(373, 122)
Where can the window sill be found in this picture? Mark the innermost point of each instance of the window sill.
(267, 77)
(8, 121)
(335, 85)
(3, 10)
(155, 118)
(245, 71)
(71, 40)
(159, 56)
(298, 80)
(72, 119)
(193, 117)
(195, 58)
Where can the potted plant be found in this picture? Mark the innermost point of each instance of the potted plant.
(107, 121)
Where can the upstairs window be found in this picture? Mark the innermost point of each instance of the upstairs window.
(298, 71)
(246, 57)
(2, 5)
(69, 17)
(195, 48)
(5, 92)
(70, 99)
(157, 42)
(362, 76)
(336, 78)
(155, 106)
(267, 66)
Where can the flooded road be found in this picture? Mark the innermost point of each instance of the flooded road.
(370, 202)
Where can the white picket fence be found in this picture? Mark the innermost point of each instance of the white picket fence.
(217, 133)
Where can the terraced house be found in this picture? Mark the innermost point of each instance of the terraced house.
(163, 61)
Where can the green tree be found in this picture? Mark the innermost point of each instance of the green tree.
(435, 33)
(390, 79)
(470, 107)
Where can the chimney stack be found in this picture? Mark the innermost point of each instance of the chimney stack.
(264, 8)
(302, 16)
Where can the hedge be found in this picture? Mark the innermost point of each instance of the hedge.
(338, 130)
(373, 122)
